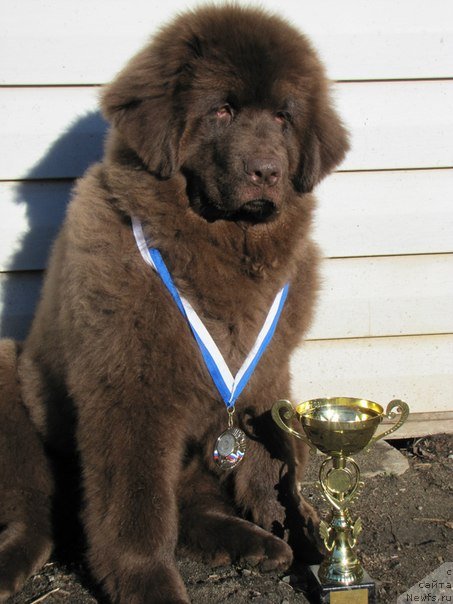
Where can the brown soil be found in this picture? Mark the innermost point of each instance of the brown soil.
(408, 532)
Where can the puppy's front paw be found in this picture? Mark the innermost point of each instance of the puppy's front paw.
(221, 539)
(266, 551)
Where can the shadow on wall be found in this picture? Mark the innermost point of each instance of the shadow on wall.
(44, 194)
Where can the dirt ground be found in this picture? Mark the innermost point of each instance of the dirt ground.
(408, 532)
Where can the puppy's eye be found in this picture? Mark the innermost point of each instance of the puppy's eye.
(283, 117)
(224, 113)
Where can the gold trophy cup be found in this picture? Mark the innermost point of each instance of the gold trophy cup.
(340, 427)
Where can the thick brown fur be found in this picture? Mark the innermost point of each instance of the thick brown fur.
(26, 483)
(222, 126)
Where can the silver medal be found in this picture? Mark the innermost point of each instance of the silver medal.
(230, 448)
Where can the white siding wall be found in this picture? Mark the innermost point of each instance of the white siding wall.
(385, 219)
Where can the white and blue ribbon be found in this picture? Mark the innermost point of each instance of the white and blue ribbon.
(229, 387)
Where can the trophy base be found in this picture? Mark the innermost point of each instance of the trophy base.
(359, 593)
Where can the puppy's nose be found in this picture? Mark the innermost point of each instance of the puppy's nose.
(263, 171)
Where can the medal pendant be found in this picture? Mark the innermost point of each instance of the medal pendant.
(230, 448)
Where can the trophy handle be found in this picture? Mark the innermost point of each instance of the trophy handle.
(393, 408)
(288, 414)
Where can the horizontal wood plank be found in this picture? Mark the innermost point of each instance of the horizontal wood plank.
(360, 297)
(382, 296)
(414, 369)
(423, 424)
(398, 124)
(58, 132)
(67, 43)
(53, 132)
(384, 213)
(359, 214)
(30, 216)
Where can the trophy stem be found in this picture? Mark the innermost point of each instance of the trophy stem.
(339, 462)
(341, 566)
(339, 486)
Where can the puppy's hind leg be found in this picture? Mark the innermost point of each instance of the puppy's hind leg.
(25, 484)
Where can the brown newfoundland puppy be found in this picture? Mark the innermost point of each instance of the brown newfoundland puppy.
(222, 126)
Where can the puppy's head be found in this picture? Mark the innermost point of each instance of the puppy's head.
(235, 99)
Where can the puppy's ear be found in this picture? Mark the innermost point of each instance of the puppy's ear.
(140, 103)
(324, 146)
